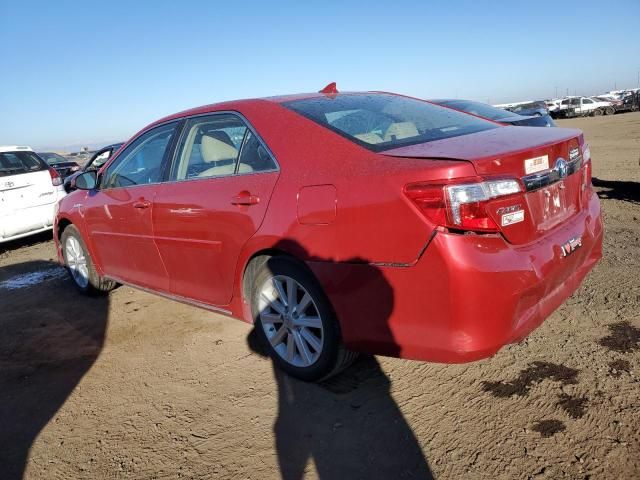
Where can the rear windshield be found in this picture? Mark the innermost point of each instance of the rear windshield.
(381, 122)
(14, 163)
(52, 158)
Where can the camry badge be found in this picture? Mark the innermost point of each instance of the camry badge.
(571, 246)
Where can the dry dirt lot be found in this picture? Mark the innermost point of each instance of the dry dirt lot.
(135, 386)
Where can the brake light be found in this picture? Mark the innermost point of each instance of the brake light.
(56, 180)
(586, 169)
(461, 206)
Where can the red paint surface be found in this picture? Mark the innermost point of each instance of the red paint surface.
(317, 205)
(399, 284)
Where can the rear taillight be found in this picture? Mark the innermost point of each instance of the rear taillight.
(461, 206)
(586, 168)
(55, 178)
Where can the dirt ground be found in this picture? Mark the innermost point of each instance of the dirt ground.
(135, 386)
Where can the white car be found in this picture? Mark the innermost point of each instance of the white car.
(29, 193)
(589, 106)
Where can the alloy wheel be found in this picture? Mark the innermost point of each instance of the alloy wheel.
(291, 321)
(77, 262)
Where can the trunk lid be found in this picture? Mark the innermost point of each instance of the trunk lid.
(547, 161)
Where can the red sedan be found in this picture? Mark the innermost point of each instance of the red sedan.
(339, 223)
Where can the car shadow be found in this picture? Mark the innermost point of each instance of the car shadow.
(617, 190)
(349, 426)
(49, 338)
(28, 241)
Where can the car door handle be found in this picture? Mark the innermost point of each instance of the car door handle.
(142, 204)
(245, 198)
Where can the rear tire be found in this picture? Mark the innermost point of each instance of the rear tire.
(597, 112)
(80, 266)
(295, 322)
(609, 111)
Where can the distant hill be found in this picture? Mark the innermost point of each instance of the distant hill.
(76, 147)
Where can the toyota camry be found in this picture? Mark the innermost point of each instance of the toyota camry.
(343, 222)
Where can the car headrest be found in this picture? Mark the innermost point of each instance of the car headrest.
(401, 130)
(215, 150)
(220, 135)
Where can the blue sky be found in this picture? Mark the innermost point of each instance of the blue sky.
(76, 72)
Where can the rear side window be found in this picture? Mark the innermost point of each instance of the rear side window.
(15, 163)
(255, 155)
(381, 122)
(52, 158)
(219, 145)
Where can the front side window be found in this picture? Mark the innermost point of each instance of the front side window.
(219, 145)
(381, 122)
(100, 159)
(141, 162)
(14, 163)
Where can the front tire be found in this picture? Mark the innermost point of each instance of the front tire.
(80, 265)
(295, 322)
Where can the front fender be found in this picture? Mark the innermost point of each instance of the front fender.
(70, 212)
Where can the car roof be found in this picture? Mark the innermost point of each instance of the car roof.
(14, 148)
(238, 104)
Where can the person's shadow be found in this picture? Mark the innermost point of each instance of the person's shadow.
(627, 191)
(349, 425)
(50, 336)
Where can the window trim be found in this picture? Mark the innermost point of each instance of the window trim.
(174, 154)
(170, 153)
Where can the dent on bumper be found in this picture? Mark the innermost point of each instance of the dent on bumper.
(467, 296)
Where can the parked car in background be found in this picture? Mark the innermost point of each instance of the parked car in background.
(553, 105)
(583, 107)
(96, 161)
(496, 114)
(613, 101)
(63, 166)
(29, 193)
(337, 223)
(530, 109)
(629, 101)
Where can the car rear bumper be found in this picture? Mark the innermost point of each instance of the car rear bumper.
(466, 297)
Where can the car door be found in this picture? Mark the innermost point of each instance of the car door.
(587, 105)
(118, 214)
(220, 184)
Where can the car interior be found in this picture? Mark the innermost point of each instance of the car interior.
(209, 150)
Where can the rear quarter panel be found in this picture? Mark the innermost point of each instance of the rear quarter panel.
(373, 221)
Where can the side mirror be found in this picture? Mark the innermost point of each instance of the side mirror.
(85, 181)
